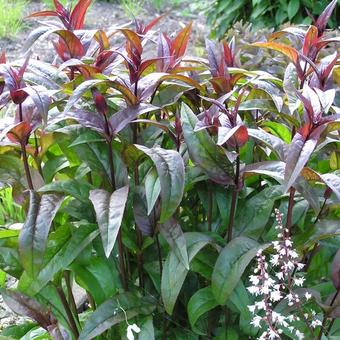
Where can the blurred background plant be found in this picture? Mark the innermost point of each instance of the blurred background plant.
(11, 13)
(10, 211)
(221, 14)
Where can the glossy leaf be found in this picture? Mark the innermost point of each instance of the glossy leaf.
(200, 303)
(34, 234)
(170, 169)
(298, 155)
(64, 250)
(174, 272)
(173, 234)
(230, 265)
(109, 211)
(26, 306)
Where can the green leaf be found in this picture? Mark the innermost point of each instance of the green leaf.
(203, 151)
(152, 188)
(293, 8)
(230, 265)
(97, 277)
(173, 234)
(279, 130)
(170, 169)
(34, 234)
(174, 272)
(253, 216)
(115, 310)
(64, 254)
(109, 211)
(200, 303)
(78, 189)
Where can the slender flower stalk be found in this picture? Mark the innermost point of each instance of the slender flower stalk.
(274, 283)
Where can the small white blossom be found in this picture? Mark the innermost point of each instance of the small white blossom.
(256, 322)
(316, 323)
(299, 335)
(252, 308)
(130, 330)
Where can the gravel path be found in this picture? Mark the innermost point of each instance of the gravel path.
(105, 15)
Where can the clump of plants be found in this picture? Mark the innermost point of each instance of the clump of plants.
(149, 181)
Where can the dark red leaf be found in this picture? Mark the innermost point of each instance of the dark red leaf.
(69, 46)
(163, 53)
(3, 58)
(43, 14)
(321, 23)
(78, 14)
(311, 38)
(152, 24)
(180, 43)
(19, 133)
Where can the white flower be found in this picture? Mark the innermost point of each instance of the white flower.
(253, 290)
(299, 335)
(275, 295)
(308, 296)
(260, 305)
(298, 281)
(252, 308)
(256, 322)
(130, 330)
(316, 323)
(254, 279)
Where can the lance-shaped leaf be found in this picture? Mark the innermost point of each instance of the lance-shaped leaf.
(173, 234)
(199, 304)
(174, 272)
(62, 250)
(33, 236)
(170, 169)
(203, 151)
(109, 210)
(230, 265)
(125, 116)
(298, 155)
(26, 306)
(290, 52)
(119, 308)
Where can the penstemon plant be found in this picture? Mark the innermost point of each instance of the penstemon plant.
(148, 177)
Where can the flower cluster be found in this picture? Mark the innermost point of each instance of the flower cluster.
(274, 281)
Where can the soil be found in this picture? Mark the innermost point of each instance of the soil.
(104, 15)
